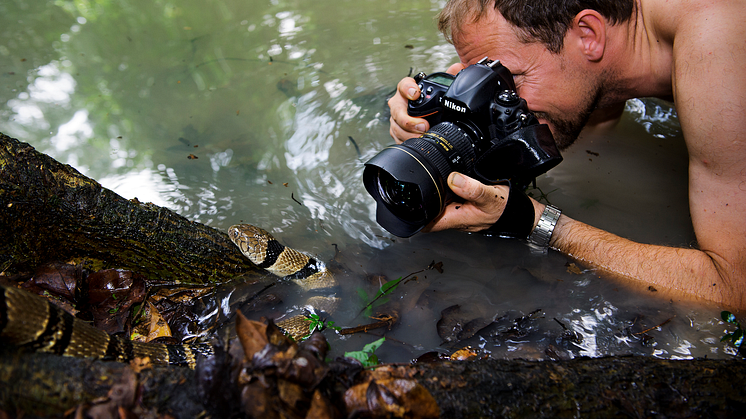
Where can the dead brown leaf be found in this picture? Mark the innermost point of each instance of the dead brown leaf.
(158, 326)
(463, 354)
(574, 269)
(252, 335)
(391, 397)
(320, 408)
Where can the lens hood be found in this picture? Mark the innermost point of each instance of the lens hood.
(404, 168)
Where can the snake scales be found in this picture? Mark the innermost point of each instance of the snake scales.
(32, 323)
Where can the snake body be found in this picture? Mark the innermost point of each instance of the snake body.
(267, 253)
(30, 322)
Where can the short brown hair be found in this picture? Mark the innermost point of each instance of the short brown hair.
(546, 21)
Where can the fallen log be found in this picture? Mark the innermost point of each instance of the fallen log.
(629, 387)
(637, 387)
(50, 212)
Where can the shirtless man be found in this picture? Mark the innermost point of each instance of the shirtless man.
(693, 51)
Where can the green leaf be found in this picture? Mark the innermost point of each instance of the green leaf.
(727, 336)
(371, 347)
(728, 317)
(362, 294)
(389, 287)
(361, 356)
(366, 356)
(332, 326)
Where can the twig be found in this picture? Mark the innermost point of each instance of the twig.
(654, 327)
(383, 321)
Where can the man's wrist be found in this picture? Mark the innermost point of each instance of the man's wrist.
(517, 219)
(542, 233)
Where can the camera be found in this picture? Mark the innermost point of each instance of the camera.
(479, 127)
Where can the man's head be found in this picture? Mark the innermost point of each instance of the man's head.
(538, 20)
(556, 50)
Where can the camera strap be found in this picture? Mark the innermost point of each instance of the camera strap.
(517, 219)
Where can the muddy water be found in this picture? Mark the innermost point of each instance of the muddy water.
(265, 111)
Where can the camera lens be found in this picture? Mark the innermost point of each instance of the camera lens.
(404, 198)
(408, 181)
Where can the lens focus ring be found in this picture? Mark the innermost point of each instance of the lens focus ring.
(447, 147)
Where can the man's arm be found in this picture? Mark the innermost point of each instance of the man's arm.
(675, 272)
(708, 41)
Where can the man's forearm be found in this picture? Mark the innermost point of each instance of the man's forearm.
(680, 272)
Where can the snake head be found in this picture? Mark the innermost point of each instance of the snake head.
(251, 240)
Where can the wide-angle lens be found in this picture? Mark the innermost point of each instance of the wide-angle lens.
(403, 198)
(408, 180)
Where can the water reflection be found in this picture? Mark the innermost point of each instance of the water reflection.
(48, 87)
(263, 112)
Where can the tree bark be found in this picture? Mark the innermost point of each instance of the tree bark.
(628, 387)
(623, 387)
(51, 212)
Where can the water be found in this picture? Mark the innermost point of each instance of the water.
(280, 103)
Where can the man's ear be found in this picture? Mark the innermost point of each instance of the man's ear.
(589, 30)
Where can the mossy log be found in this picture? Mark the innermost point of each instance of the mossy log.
(51, 212)
(619, 387)
(623, 387)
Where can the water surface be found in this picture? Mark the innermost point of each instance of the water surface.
(265, 111)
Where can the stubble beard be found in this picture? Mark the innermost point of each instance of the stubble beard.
(567, 130)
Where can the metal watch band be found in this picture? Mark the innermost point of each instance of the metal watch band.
(543, 232)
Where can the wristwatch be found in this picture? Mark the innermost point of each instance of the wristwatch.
(543, 232)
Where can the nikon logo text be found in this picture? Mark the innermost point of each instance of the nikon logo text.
(450, 105)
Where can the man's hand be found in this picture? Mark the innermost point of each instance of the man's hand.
(403, 126)
(483, 205)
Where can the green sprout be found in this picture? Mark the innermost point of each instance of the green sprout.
(317, 323)
(367, 356)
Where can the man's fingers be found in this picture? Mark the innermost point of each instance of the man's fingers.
(398, 133)
(474, 191)
(404, 126)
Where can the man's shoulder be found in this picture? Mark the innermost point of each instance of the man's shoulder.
(674, 18)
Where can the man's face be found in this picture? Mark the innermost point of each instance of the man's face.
(558, 89)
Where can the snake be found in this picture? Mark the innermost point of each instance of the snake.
(267, 253)
(32, 323)
(29, 322)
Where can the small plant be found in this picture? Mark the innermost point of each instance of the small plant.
(390, 286)
(367, 356)
(317, 323)
(379, 299)
(737, 336)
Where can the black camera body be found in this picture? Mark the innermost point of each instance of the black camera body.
(479, 127)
